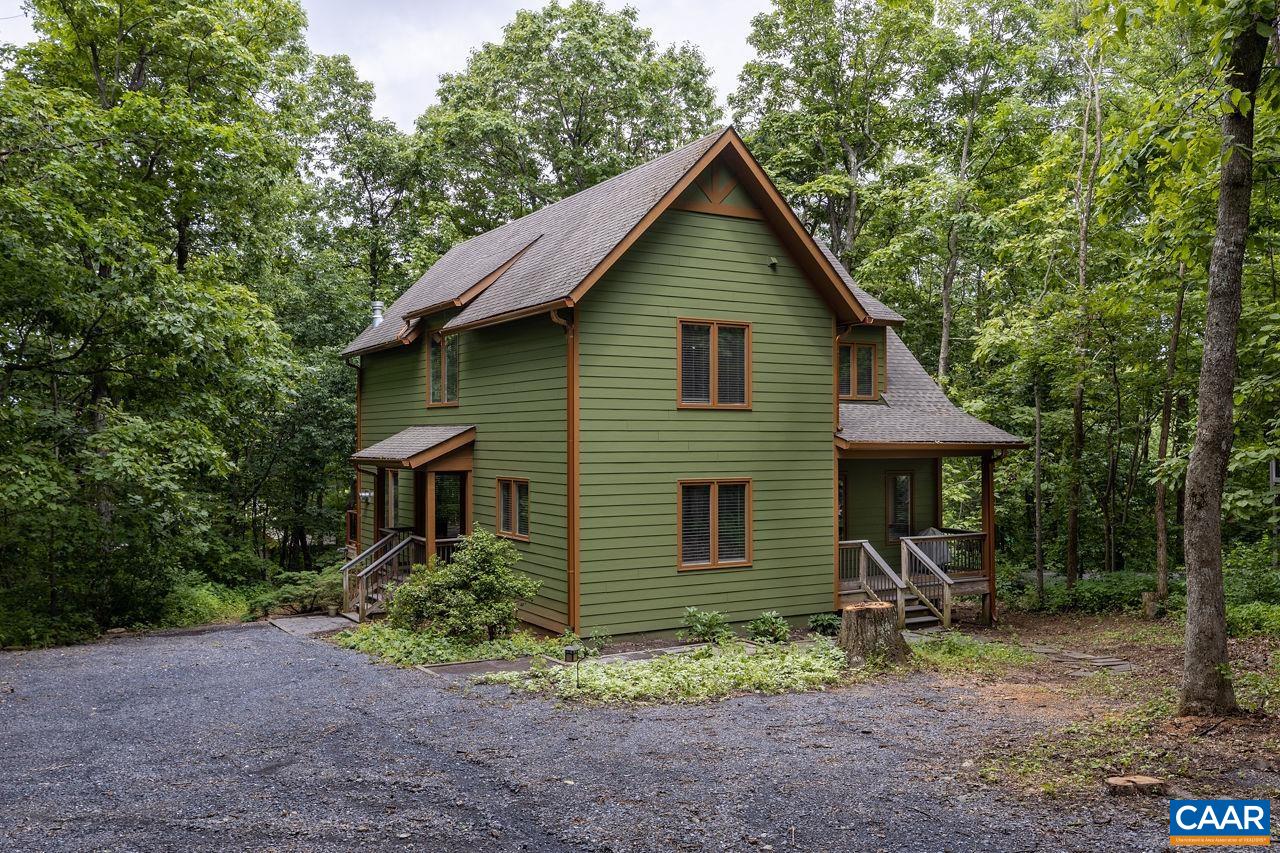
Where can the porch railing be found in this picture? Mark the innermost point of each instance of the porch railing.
(445, 549)
(367, 578)
(862, 568)
(956, 552)
(931, 585)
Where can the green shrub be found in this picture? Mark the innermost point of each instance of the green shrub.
(1253, 618)
(1114, 592)
(297, 592)
(1011, 579)
(473, 597)
(769, 627)
(1248, 575)
(827, 624)
(706, 626)
(411, 648)
(711, 672)
(23, 629)
(194, 601)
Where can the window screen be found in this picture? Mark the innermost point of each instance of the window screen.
(731, 517)
(513, 507)
(522, 509)
(731, 365)
(437, 364)
(866, 372)
(451, 369)
(899, 509)
(695, 363)
(844, 375)
(443, 370)
(695, 523)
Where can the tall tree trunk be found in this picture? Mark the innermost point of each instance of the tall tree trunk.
(1039, 462)
(1206, 682)
(1086, 182)
(1162, 453)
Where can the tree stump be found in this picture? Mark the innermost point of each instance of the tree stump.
(869, 631)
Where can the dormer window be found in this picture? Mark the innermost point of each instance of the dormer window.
(856, 372)
(442, 370)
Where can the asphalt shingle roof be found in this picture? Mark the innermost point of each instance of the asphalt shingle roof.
(562, 243)
(407, 443)
(915, 410)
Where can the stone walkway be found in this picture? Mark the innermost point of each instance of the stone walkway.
(1089, 664)
(312, 625)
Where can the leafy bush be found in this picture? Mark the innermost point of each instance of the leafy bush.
(1259, 691)
(955, 652)
(706, 626)
(474, 596)
(1247, 574)
(769, 627)
(194, 601)
(1253, 618)
(411, 648)
(1114, 592)
(711, 672)
(827, 624)
(298, 592)
(22, 629)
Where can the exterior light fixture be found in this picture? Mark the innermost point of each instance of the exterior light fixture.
(366, 496)
(572, 654)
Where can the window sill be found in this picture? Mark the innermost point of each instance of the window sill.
(872, 399)
(702, 567)
(452, 405)
(736, 407)
(514, 537)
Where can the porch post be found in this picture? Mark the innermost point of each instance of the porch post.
(429, 510)
(989, 537)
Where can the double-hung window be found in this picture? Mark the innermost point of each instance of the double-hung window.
(856, 372)
(899, 493)
(513, 508)
(442, 370)
(714, 527)
(713, 365)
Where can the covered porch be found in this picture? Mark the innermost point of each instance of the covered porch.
(420, 504)
(891, 542)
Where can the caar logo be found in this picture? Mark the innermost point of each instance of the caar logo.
(1220, 822)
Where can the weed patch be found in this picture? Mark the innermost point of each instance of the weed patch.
(705, 674)
(410, 648)
(951, 652)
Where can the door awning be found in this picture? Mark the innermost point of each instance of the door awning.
(416, 446)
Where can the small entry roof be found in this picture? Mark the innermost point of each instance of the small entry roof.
(416, 446)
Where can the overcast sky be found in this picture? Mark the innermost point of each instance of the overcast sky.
(403, 45)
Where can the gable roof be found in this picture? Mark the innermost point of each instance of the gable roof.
(551, 257)
(915, 411)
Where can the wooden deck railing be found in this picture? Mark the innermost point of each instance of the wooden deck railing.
(445, 549)
(862, 568)
(930, 584)
(368, 577)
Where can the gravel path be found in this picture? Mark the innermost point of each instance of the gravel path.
(252, 739)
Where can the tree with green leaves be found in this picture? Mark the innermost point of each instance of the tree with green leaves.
(570, 96)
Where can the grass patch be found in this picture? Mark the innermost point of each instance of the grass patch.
(1084, 753)
(410, 648)
(713, 672)
(193, 601)
(952, 652)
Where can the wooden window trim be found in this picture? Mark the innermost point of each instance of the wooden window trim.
(714, 553)
(433, 340)
(715, 363)
(853, 371)
(515, 516)
(888, 503)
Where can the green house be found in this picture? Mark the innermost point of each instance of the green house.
(666, 393)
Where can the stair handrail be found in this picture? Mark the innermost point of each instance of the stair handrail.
(899, 586)
(364, 557)
(911, 549)
(387, 557)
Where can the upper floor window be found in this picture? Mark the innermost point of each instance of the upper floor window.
(713, 366)
(714, 526)
(856, 372)
(442, 370)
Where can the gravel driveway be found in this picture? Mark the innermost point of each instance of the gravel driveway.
(252, 739)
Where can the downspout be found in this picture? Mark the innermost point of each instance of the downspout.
(572, 576)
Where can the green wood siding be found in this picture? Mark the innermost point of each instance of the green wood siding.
(635, 443)
(866, 500)
(512, 387)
